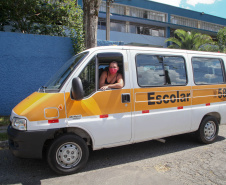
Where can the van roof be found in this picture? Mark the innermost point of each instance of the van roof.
(155, 49)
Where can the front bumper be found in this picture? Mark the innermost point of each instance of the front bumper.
(28, 144)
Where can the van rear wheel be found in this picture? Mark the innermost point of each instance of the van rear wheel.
(67, 154)
(208, 130)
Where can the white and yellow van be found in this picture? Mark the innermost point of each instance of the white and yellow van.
(166, 92)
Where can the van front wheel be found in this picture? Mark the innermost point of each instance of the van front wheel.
(208, 130)
(67, 154)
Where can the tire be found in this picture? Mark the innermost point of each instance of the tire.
(67, 154)
(208, 130)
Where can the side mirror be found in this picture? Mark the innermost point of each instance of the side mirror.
(77, 92)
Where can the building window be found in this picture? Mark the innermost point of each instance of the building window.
(115, 8)
(146, 30)
(101, 24)
(184, 21)
(134, 12)
(132, 28)
(195, 23)
(161, 33)
(155, 33)
(210, 26)
(147, 14)
(117, 26)
(157, 16)
(102, 7)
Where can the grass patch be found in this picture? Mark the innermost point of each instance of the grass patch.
(4, 120)
(3, 136)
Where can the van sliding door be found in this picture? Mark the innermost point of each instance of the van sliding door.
(162, 95)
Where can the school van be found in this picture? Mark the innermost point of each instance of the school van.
(165, 92)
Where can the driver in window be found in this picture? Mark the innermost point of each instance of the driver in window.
(111, 78)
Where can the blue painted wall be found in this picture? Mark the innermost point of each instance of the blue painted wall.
(27, 62)
(135, 38)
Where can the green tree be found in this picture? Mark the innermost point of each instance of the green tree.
(208, 47)
(74, 22)
(43, 17)
(189, 40)
(18, 13)
(221, 37)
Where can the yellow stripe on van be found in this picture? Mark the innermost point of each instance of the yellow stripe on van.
(101, 103)
(169, 97)
(44, 106)
(208, 94)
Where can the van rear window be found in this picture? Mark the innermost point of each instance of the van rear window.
(153, 70)
(207, 71)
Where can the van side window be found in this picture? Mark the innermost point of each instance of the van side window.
(207, 71)
(88, 77)
(153, 70)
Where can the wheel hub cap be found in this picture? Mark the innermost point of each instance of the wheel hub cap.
(209, 130)
(68, 155)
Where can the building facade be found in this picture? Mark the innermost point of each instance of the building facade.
(148, 23)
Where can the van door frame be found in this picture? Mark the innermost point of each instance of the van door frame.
(96, 124)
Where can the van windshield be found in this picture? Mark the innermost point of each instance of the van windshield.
(59, 78)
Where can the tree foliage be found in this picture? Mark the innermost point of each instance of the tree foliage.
(221, 37)
(189, 40)
(59, 18)
(210, 47)
(74, 21)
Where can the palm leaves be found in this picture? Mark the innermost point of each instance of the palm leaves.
(189, 40)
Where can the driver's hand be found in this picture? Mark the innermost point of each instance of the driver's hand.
(104, 87)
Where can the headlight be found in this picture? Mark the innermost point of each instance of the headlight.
(19, 123)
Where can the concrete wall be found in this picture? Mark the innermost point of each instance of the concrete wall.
(27, 62)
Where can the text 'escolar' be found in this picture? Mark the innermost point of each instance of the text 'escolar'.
(167, 98)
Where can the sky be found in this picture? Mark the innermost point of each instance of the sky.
(212, 7)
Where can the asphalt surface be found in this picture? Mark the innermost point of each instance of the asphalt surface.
(181, 160)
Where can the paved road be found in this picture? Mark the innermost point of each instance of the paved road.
(181, 160)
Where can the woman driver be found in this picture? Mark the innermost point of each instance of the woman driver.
(111, 78)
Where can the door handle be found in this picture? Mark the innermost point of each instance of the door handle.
(125, 98)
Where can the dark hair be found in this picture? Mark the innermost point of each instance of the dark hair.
(114, 62)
